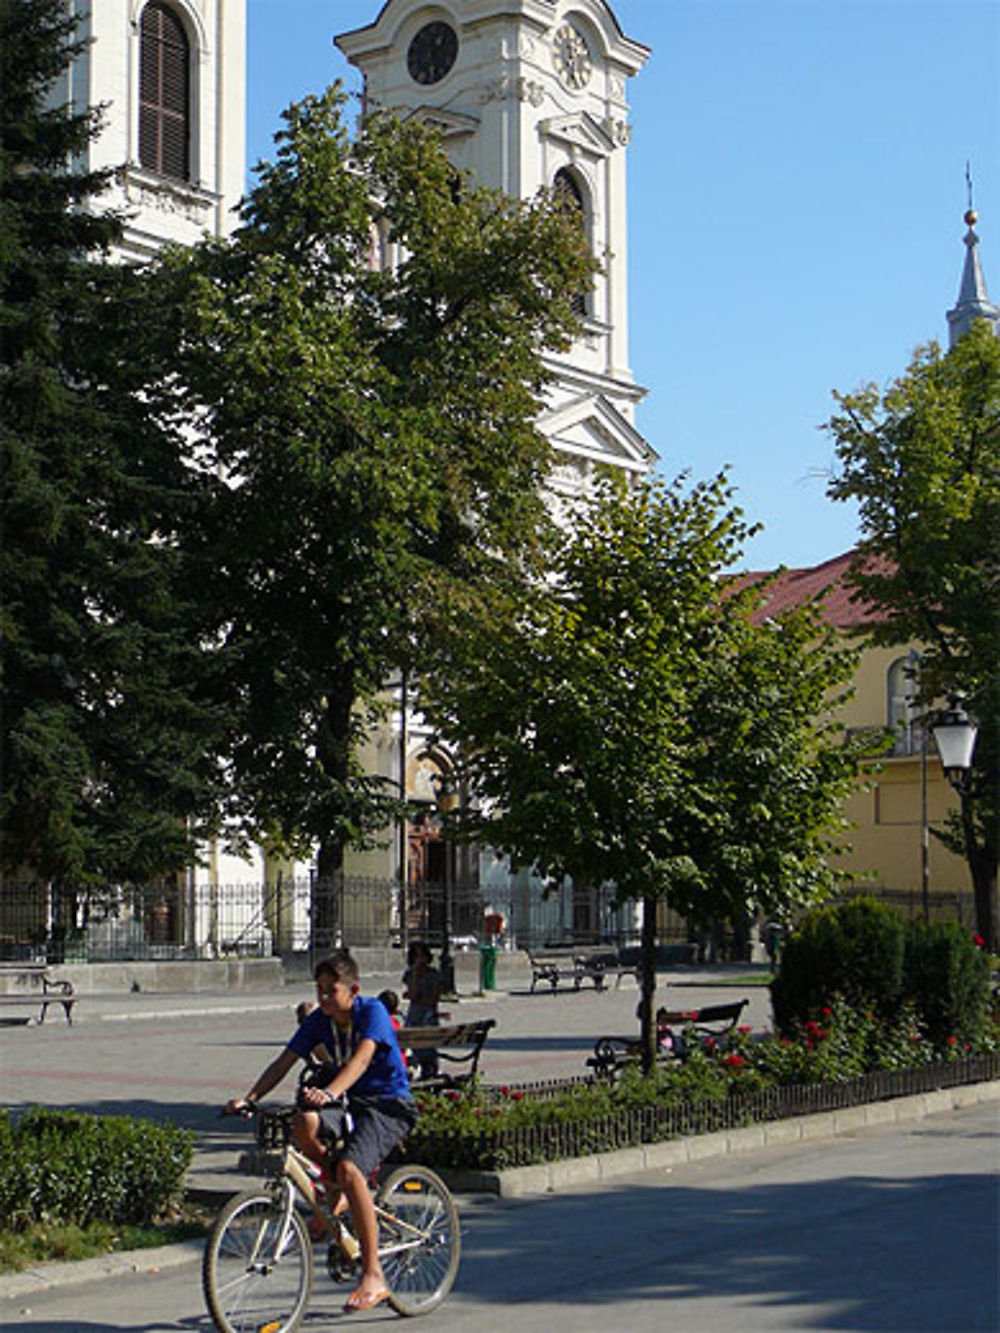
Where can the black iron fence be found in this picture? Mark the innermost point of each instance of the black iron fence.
(489, 1149)
(182, 918)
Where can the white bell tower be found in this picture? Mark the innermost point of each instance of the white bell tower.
(171, 75)
(531, 94)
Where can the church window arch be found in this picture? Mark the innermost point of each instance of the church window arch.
(164, 92)
(569, 195)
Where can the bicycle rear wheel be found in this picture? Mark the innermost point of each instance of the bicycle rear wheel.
(419, 1239)
(250, 1287)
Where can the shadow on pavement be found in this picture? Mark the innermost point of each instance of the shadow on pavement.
(819, 1249)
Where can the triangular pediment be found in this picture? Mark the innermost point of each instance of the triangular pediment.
(449, 124)
(580, 130)
(591, 427)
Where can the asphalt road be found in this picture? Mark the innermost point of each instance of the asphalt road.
(892, 1229)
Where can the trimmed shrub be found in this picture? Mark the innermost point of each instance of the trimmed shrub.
(853, 950)
(69, 1167)
(947, 977)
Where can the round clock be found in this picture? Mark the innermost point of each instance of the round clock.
(432, 52)
(571, 56)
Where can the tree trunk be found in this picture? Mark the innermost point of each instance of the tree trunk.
(983, 868)
(333, 754)
(647, 982)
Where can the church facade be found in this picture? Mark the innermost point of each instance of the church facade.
(172, 77)
(530, 95)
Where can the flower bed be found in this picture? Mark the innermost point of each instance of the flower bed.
(843, 1058)
(586, 1118)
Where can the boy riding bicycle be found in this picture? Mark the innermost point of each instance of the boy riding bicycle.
(371, 1074)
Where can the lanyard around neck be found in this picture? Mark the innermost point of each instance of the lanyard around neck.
(345, 1039)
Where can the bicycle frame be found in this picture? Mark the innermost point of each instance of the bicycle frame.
(294, 1176)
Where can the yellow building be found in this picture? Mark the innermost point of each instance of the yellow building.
(891, 850)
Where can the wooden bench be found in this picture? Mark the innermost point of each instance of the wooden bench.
(600, 963)
(612, 1054)
(459, 1044)
(578, 964)
(42, 990)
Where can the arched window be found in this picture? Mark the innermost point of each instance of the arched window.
(569, 196)
(902, 716)
(164, 92)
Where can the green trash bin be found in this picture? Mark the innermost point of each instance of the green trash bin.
(487, 967)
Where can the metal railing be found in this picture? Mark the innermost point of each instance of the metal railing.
(629, 1127)
(182, 919)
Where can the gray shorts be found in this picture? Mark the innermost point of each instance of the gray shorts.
(378, 1127)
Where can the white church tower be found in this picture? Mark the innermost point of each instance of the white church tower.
(531, 94)
(171, 75)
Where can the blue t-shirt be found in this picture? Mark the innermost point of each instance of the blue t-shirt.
(386, 1073)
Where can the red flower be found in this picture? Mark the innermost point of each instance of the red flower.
(979, 941)
(827, 1012)
(453, 1096)
(710, 1043)
(745, 1030)
(733, 1061)
(505, 1092)
(952, 1041)
(516, 1096)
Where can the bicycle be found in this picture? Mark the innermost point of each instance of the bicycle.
(257, 1270)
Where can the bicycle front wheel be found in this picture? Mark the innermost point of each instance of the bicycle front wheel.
(256, 1273)
(419, 1239)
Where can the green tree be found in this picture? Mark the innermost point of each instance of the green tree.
(636, 722)
(922, 461)
(364, 359)
(104, 751)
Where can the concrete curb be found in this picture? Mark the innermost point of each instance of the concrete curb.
(550, 1177)
(36, 1281)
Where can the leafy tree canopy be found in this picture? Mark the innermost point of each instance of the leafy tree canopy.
(922, 461)
(363, 360)
(635, 720)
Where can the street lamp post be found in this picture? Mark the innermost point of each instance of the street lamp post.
(955, 734)
(955, 737)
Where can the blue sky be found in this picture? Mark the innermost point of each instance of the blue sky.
(796, 191)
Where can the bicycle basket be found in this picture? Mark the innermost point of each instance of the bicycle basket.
(273, 1130)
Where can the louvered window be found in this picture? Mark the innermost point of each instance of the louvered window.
(570, 197)
(164, 94)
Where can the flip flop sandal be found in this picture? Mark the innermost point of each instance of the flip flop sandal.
(368, 1300)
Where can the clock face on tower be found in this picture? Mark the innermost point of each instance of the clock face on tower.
(571, 56)
(432, 52)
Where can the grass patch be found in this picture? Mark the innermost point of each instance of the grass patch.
(43, 1242)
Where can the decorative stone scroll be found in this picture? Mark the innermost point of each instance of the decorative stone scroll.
(519, 89)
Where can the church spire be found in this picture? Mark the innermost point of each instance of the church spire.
(973, 299)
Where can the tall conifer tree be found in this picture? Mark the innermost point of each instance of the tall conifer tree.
(104, 754)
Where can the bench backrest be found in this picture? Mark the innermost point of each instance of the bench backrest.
(457, 1034)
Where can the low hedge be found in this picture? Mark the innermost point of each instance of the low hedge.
(70, 1167)
(863, 952)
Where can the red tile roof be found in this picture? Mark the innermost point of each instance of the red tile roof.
(793, 587)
